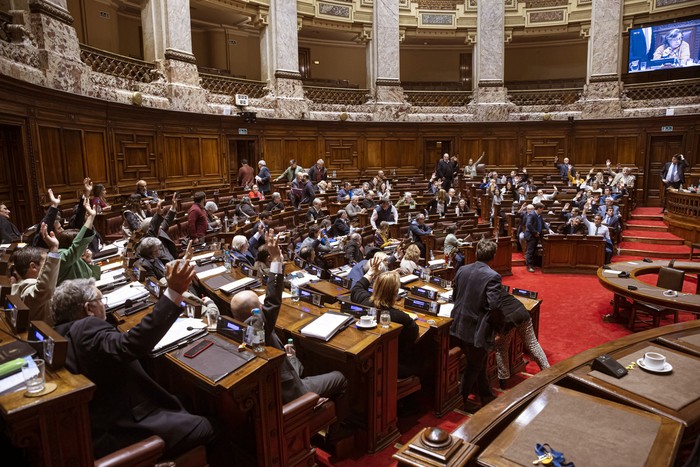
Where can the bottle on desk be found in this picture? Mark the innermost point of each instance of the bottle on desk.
(289, 348)
(295, 292)
(258, 343)
(227, 261)
(225, 223)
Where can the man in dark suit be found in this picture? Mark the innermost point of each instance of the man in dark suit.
(128, 406)
(476, 314)
(307, 192)
(240, 250)
(533, 231)
(673, 174)
(263, 177)
(565, 169)
(151, 259)
(318, 172)
(9, 233)
(420, 229)
(331, 384)
(445, 171)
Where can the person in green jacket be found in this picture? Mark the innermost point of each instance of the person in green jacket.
(72, 245)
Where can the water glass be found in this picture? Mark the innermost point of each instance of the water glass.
(372, 313)
(295, 292)
(34, 376)
(385, 319)
(190, 310)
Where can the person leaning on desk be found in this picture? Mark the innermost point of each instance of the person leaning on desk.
(128, 406)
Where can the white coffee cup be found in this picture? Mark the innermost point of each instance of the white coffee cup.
(654, 361)
(365, 320)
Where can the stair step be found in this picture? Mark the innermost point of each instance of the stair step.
(655, 254)
(650, 239)
(647, 217)
(651, 248)
(634, 232)
(649, 226)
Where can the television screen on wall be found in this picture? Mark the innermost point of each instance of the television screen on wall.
(664, 46)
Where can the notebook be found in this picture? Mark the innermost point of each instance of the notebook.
(408, 278)
(327, 325)
(240, 284)
(183, 330)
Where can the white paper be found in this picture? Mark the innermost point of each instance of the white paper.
(436, 262)
(16, 381)
(8, 245)
(132, 291)
(178, 331)
(111, 266)
(612, 272)
(238, 284)
(284, 295)
(408, 278)
(203, 256)
(446, 296)
(429, 287)
(109, 276)
(211, 272)
(446, 309)
(324, 326)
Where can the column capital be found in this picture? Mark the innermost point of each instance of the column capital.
(51, 9)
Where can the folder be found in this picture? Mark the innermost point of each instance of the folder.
(327, 325)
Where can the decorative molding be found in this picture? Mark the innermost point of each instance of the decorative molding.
(438, 4)
(604, 78)
(585, 31)
(388, 82)
(171, 54)
(544, 3)
(287, 74)
(546, 17)
(667, 3)
(584, 2)
(490, 83)
(47, 8)
(436, 19)
(342, 12)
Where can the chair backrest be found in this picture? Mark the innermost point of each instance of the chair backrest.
(671, 279)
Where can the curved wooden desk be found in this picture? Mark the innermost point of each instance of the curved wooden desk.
(646, 292)
(491, 427)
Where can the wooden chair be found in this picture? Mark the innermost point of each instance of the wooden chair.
(407, 386)
(302, 418)
(670, 279)
(142, 454)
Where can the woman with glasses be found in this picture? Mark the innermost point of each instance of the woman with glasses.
(674, 47)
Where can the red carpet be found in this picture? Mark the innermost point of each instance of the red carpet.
(653, 247)
(647, 234)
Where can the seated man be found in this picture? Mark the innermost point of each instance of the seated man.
(239, 250)
(353, 249)
(276, 204)
(293, 385)
(353, 209)
(128, 406)
(345, 193)
(9, 233)
(37, 273)
(150, 258)
(420, 229)
(341, 225)
(314, 240)
(407, 200)
(314, 212)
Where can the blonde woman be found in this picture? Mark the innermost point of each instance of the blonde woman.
(409, 263)
(382, 236)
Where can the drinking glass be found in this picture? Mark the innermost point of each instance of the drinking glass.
(385, 319)
(34, 376)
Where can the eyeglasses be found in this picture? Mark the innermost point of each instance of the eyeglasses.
(104, 300)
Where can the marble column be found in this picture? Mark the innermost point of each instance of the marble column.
(167, 41)
(57, 45)
(279, 57)
(601, 96)
(490, 95)
(383, 54)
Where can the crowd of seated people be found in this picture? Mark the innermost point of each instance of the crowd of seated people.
(399, 228)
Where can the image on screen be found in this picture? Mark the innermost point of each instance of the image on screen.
(673, 45)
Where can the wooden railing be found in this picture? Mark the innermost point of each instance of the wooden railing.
(684, 204)
(339, 96)
(545, 96)
(113, 64)
(438, 98)
(229, 85)
(663, 89)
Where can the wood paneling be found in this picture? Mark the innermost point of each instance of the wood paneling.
(135, 159)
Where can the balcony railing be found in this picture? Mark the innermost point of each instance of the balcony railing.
(438, 98)
(545, 96)
(5, 22)
(338, 96)
(663, 90)
(230, 86)
(113, 64)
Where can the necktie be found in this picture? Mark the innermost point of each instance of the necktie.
(673, 172)
(596, 230)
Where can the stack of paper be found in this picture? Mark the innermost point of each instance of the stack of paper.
(408, 278)
(239, 285)
(182, 330)
(133, 291)
(446, 310)
(327, 325)
(211, 272)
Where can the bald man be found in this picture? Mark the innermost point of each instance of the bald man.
(293, 385)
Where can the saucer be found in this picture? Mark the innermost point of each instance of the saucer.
(670, 293)
(667, 367)
(371, 325)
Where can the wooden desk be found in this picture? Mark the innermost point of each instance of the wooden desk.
(488, 423)
(54, 430)
(645, 292)
(502, 262)
(572, 253)
(685, 341)
(247, 402)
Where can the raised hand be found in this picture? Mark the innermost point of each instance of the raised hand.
(374, 264)
(272, 242)
(89, 208)
(179, 275)
(87, 185)
(49, 238)
(55, 201)
(189, 251)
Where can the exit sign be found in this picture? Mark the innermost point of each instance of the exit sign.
(667, 128)
(243, 131)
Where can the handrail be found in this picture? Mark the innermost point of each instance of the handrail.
(662, 89)
(338, 96)
(438, 98)
(564, 96)
(219, 84)
(110, 63)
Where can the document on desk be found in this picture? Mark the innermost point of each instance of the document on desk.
(133, 291)
(611, 272)
(15, 382)
(240, 284)
(109, 277)
(446, 310)
(217, 361)
(408, 279)
(211, 272)
(182, 330)
(202, 256)
(327, 325)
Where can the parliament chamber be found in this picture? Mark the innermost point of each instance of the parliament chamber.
(358, 168)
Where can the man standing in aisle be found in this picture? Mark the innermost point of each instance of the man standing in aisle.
(290, 174)
(476, 315)
(245, 175)
(263, 177)
(673, 174)
(445, 171)
(533, 231)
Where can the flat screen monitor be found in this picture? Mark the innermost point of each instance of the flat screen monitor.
(673, 45)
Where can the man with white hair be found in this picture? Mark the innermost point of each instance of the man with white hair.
(542, 196)
(318, 172)
(239, 250)
(276, 204)
(407, 200)
(210, 208)
(314, 212)
(263, 177)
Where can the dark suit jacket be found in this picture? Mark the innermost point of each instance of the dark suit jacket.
(246, 258)
(564, 170)
(128, 406)
(264, 183)
(419, 231)
(407, 339)
(476, 295)
(292, 386)
(340, 227)
(316, 175)
(308, 193)
(444, 170)
(682, 165)
(49, 219)
(9, 233)
(152, 267)
(159, 229)
(533, 225)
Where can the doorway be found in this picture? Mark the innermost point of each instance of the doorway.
(432, 153)
(14, 184)
(660, 150)
(239, 149)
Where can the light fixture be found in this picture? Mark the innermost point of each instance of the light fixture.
(316, 62)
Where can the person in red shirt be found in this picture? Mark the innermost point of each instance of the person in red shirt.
(246, 176)
(197, 218)
(255, 193)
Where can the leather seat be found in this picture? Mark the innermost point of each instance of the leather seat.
(302, 418)
(407, 386)
(141, 454)
(670, 279)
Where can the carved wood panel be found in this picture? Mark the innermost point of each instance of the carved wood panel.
(541, 150)
(135, 159)
(341, 153)
(390, 153)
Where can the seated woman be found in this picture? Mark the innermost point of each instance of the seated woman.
(382, 236)
(135, 211)
(409, 263)
(213, 221)
(385, 288)
(255, 193)
(99, 198)
(246, 209)
(462, 207)
(452, 244)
